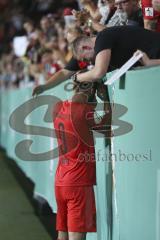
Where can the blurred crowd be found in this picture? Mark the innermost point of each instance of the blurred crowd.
(35, 36)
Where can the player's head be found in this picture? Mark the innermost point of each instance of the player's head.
(85, 92)
(83, 48)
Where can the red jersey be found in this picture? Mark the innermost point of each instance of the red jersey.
(72, 123)
(149, 13)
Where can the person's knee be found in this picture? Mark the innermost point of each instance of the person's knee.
(64, 238)
(77, 236)
(62, 235)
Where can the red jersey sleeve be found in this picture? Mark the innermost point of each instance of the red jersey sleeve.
(148, 11)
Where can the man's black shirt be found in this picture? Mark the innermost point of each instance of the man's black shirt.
(73, 65)
(124, 41)
(136, 18)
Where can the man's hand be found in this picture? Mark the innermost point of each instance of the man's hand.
(81, 16)
(38, 90)
(145, 60)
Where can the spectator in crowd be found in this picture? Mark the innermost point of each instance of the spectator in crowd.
(64, 73)
(50, 67)
(92, 7)
(48, 31)
(107, 9)
(128, 13)
(43, 6)
(33, 47)
(115, 18)
(76, 171)
(47, 28)
(44, 28)
(8, 77)
(68, 17)
(150, 15)
(12, 71)
(113, 47)
(29, 27)
(16, 20)
(133, 11)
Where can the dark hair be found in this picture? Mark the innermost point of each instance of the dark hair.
(84, 86)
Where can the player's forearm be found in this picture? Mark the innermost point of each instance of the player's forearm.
(107, 117)
(57, 78)
(91, 76)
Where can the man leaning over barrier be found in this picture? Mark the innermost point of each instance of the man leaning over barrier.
(113, 47)
(109, 50)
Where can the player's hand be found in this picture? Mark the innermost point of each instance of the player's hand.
(102, 92)
(38, 90)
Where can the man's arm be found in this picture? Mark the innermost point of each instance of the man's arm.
(146, 61)
(56, 79)
(99, 70)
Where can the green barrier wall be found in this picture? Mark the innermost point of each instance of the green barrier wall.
(137, 172)
(135, 199)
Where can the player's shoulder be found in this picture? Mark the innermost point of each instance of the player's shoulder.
(110, 30)
(58, 107)
(79, 110)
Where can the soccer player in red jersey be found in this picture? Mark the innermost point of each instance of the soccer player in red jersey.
(76, 172)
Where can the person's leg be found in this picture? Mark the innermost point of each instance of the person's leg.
(81, 212)
(62, 235)
(61, 218)
(77, 236)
